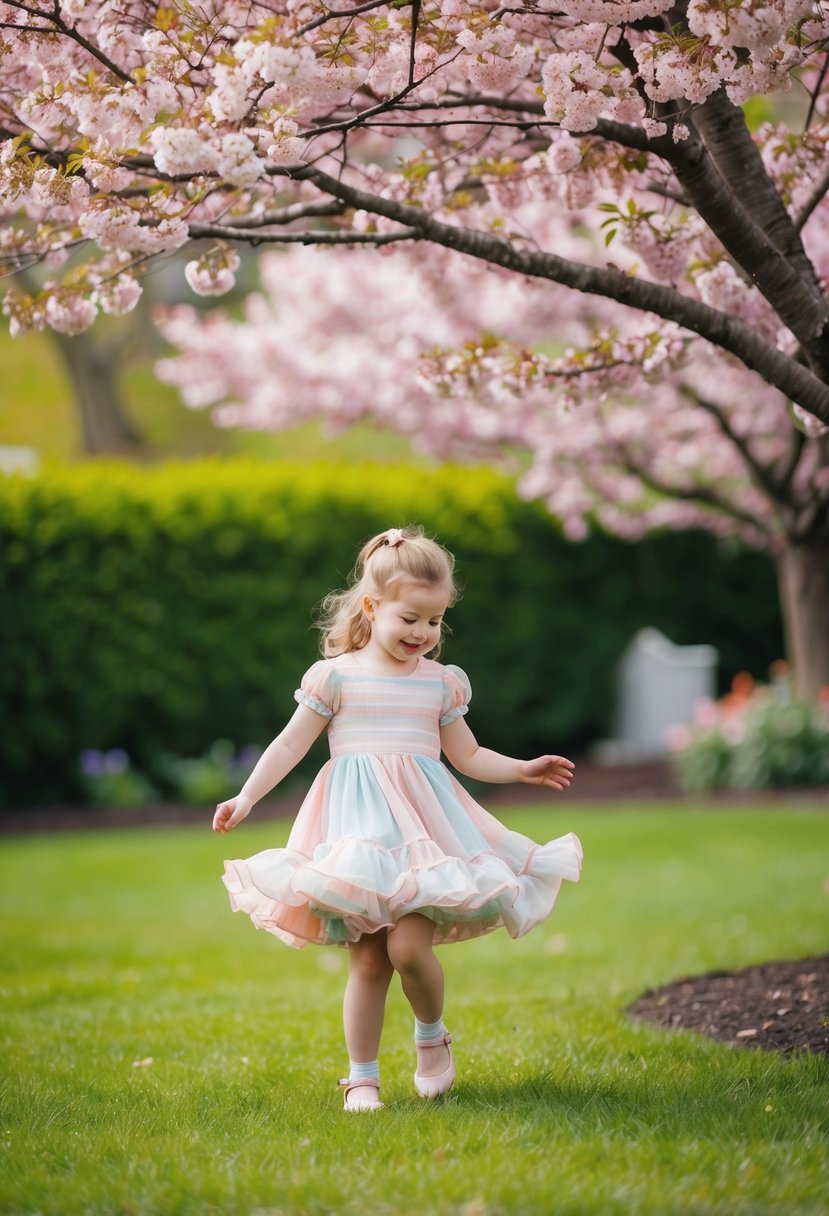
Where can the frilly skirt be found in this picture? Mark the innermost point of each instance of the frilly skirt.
(382, 836)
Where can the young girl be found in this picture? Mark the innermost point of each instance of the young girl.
(389, 854)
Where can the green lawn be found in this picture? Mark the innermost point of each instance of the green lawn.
(120, 948)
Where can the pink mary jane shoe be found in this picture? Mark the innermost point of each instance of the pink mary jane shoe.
(433, 1087)
(353, 1100)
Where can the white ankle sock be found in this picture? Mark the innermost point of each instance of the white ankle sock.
(359, 1071)
(429, 1032)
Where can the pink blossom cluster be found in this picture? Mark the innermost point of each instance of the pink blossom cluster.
(669, 73)
(110, 286)
(495, 62)
(578, 91)
(214, 273)
(121, 227)
(756, 26)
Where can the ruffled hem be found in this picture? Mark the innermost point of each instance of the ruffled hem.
(356, 886)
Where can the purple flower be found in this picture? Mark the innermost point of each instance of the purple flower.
(248, 756)
(116, 761)
(91, 762)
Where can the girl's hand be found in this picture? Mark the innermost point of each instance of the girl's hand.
(554, 771)
(230, 813)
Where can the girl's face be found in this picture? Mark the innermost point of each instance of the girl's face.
(406, 623)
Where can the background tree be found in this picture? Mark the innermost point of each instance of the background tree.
(508, 133)
(92, 366)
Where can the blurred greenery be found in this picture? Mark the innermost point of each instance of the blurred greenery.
(158, 610)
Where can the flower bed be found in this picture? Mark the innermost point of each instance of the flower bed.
(756, 737)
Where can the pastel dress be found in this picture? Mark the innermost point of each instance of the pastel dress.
(386, 829)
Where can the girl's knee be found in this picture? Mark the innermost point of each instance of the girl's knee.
(373, 969)
(409, 950)
(370, 960)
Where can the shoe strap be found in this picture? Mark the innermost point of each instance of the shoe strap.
(347, 1084)
(444, 1042)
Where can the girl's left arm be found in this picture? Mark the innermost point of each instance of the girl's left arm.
(278, 759)
(463, 752)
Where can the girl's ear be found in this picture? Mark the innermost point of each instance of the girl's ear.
(368, 607)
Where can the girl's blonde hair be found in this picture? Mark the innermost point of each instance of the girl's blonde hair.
(391, 557)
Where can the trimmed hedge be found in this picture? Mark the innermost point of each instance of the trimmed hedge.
(159, 610)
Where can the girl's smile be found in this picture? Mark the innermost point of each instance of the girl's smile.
(406, 626)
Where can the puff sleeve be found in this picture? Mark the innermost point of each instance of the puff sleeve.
(320, 689)
(456, 694)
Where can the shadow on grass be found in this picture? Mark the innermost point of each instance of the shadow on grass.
(710, 1104)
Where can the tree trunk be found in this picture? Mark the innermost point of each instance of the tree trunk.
(803, 574)
(92, 372)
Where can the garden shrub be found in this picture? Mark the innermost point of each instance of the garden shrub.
(756, 737)
(158, 610)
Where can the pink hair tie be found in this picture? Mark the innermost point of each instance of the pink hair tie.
(394, 537)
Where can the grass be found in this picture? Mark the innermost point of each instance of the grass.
(120, 950)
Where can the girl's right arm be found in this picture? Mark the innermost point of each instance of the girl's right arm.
(276, 762)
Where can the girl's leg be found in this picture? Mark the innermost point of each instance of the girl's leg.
(364, 1002)
(409, 947)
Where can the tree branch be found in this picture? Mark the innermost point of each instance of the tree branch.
(727, 183)
(311, 237)
(413, 41)
(745, 241)
(664, 192)
(816, 197)
(287, 215)
(797, 382)
(701, 494)
(814, 519)
(337, 14)
(69, 31)
(816, 92)
(722, 126)
(409, 124)
(798, 444)
(622, 133)
(763, 476)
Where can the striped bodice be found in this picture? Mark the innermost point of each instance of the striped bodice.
(374, 714)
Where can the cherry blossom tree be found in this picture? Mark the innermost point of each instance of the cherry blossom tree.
(518, 135)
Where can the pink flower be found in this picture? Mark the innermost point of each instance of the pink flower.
(706, 713)
(214, 274)
(677, 738)
(118, 296)
(70, 313)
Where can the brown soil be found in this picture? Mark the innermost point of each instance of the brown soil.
(775, 1006)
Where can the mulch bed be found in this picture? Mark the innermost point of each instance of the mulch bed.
(775, 1006)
